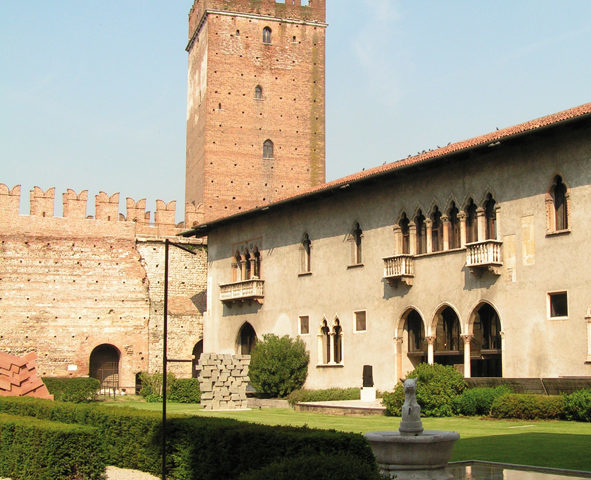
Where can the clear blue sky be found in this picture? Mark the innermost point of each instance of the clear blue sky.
(93, 94)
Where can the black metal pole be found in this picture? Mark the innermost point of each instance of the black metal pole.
(164, 359)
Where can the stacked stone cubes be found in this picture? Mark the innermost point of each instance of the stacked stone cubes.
(223, 379)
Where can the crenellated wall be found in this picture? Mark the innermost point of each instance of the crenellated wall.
(69, 284)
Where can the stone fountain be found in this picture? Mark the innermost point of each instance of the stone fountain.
(412, 453)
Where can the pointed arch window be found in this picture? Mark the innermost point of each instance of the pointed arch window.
(305, 264)
(356, 237)
(490, 216)
(267, 35)
(559, 212)
(324, 349)
(337, 332)
(471, 223)
(258, 92)
(405, 231)
(436, 231)
(454, 226)
(421, 233)
(268, 149)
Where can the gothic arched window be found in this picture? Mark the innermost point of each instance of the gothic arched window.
(268, 149)
(266, 35)
(559, 201)
(258, 92)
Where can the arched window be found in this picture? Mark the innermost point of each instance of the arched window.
(405, 231)
(305, 254)
(416, 333)
(491, 218)
(436, 231)
(324, 343)
(356, 236)
(485, 346)
(471, 222)
(421, 233)
(454, 226)
(266, 35)
(268, 149)
(448, 332)
(247, 339)
(258, 92)
(104, 366)
(560, 204)
(337, 331)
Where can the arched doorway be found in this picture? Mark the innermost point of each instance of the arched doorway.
(104, 366)
(415, 333)
(247, 339)
(485, 346)
(448, 347)
(197, 351)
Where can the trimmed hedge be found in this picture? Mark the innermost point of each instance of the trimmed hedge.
(317, 467)
(325, 395)
(577, 406)
(437, 388)
(185, 390)
(199, 448)
(478, 400)
(68, 389)
(39, 450)
(528, 406)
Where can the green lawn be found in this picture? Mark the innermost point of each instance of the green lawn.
(557, 444)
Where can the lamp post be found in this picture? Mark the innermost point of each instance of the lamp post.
(165, 359)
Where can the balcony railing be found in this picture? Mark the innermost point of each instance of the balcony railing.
(241, 291)
(399, 267)
(485, 255)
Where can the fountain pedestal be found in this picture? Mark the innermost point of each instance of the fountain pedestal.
(412, 453)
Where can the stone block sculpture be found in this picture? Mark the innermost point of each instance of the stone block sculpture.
(223, 380)
(18, 377)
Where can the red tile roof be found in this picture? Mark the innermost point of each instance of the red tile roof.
(487, 139)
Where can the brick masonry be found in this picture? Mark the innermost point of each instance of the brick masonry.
(223, 380)
(69, 284)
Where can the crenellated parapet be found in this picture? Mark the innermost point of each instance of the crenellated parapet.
(106, 209)
(303, 10)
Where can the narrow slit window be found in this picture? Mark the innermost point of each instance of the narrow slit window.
(268, 148)
(267, 35)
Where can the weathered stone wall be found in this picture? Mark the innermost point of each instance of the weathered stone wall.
(68, 285)
(223, 381)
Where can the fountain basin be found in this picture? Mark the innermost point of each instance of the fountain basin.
(406, 457)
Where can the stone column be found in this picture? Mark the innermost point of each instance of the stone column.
(320, 349)
(253, 261)
(331, 336)
(235, 272)
(430, 355)
(481, 224)
(498, 222)
(398, 358)
(429, 225)
(397, 240)
(412, 238)
(462, 220)
(243, 267)
(446, 227)
(467, 339)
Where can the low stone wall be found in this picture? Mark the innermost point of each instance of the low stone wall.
(223, 379)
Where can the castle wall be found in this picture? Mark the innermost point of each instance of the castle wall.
(69, 284)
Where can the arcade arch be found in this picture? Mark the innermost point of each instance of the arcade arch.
(104, 365)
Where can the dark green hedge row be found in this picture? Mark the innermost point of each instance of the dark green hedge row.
(200, 448)
(40, 450)
(577, 406)
(68, 389)
(478, 400)
(323, 395)
(528, 406)
(317, 467)
(185, 390)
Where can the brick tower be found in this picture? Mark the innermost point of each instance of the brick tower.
(255, 113)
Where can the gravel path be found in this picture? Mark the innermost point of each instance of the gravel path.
(114, 473)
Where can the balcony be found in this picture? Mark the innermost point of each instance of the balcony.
(484, 256)
(399, 268)
(247, 290)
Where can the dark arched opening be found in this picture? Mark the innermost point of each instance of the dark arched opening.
(417, 345)
(247, 339)
(448, 345)
(197, 351)
(104, 366)
(485, 346)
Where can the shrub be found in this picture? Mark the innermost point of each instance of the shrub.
(39, 449)
(577, 406)
(68, 389)
(437, 387)
(152, 385)
(317, 467)
(527, 406)
(478, 400)
(323, 395)
(278, 365)
(185, 390)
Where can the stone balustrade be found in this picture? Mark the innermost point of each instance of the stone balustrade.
(486, 254)
(252, 289)
(399, 267)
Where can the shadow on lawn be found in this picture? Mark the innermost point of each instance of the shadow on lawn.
(539, 449)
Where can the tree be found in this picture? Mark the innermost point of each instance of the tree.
(278, 365)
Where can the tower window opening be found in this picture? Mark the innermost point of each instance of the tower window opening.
(267, 35)
(258, 92)
(268, 149)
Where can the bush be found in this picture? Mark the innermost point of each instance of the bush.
(68, 389)
(278, 365)
(527, 406)
(478, 400)
(185, 390)
(577, 406)
(152, 385)
(437, 388)
(39, 449)
(323, 395)
(317, 467)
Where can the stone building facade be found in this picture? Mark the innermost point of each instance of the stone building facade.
(86, 293)
(255, 112)
(473, 255)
